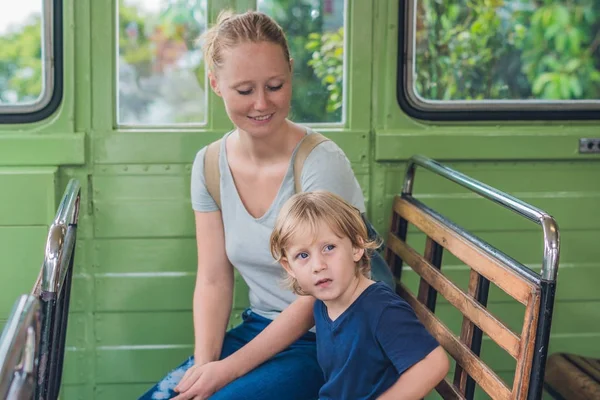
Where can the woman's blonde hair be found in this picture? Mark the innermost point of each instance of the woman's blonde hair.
(232, 29)
(305, 211)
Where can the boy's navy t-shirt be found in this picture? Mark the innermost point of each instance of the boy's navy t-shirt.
(366, 349)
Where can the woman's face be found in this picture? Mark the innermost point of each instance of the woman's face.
(255, 82)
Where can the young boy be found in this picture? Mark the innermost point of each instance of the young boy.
(370, 344)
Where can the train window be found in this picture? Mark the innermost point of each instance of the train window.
(315, 31)
(161, 75)
(502, 55)
(27, 48)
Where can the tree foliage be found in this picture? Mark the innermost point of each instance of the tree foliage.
(21, 77)
(328, 64)
(508, 49)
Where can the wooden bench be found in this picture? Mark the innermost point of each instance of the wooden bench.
(528, 347)
(573, 377)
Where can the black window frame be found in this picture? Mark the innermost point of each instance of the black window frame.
(55, 99)
(525, 110)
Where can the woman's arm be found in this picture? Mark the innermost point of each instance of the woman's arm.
(202, 381)
(420, 379)
(213, 294)
(288, 327)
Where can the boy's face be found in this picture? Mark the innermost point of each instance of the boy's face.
(323, 264)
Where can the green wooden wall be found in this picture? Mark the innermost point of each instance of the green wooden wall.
(135, 259)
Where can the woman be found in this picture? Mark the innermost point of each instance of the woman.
(272, 353)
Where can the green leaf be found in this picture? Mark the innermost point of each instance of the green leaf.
(565, 87)
(572, 65)
(561, 43)
(541, 82)
(576, 87)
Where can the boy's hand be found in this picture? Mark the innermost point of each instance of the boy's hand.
(201, 381)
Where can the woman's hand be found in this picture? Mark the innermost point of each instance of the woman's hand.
(201, 381)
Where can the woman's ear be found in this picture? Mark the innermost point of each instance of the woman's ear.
(214, 84)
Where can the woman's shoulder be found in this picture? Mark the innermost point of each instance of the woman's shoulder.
(325, 149)
(201, 153)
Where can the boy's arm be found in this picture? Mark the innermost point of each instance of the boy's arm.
(420, 379)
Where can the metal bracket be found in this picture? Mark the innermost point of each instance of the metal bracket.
(589, 145)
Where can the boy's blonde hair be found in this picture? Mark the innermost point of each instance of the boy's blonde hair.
(232, 29)
(307, 210)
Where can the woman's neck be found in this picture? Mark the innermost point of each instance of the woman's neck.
(269, 149)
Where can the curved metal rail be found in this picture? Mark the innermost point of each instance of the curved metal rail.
(546, 279)
(19, 349)
(53, 288)
(548, 224)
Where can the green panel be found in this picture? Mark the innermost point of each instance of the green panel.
(78, 330)
(151, 328)
(167, 218)
(28, 195)
(145, 255)
(81, 292)
(42, 149)
(22, 250)
(145, 185)
(121, 391)
(519, 143)
(144, 292)
(574, 283)
(519, 178)
(130, 364)
(160, 147)
(77, 366)
(77, 392)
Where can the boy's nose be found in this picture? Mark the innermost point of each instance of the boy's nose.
(319, 264)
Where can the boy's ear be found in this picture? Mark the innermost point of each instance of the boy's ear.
(357, 252)
(286, 265)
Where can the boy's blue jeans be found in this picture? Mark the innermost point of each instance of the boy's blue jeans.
(293, 374)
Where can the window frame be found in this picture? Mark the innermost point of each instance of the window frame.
(212, 10)
(52, 57)
(463, 110)
(129, 126)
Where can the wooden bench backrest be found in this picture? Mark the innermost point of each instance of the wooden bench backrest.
(520, 286)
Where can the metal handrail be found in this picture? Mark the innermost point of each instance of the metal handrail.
(53, 288)
(19, 349)
(59, 245)
(549, 226)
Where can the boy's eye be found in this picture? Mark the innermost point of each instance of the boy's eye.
(302, 255)
(329, 247)
(245, 92)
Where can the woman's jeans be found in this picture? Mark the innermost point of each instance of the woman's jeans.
(293, 374)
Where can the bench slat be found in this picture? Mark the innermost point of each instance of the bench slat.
(481, 373)
(491, 268)
(524, 364)
(449, 391)
(466, 333)
(468, 306)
